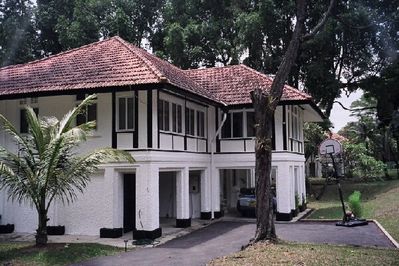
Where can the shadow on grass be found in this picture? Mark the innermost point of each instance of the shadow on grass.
(334, 212)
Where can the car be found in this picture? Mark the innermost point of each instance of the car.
(246, 203)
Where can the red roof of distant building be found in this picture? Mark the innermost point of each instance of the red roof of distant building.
(115, 62)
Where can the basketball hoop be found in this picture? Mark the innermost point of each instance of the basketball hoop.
(330, 146)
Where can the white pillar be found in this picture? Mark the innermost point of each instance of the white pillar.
(283, 191)
(147, 198)
(215, 185)
(182, 195)
(205, 192)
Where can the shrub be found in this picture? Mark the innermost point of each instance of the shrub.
(297, 201)
(359, 164)
(354, 204)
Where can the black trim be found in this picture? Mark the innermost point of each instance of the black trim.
(274, 133)
(218, 215)
(159, 136)
(149, 119)
(245, 145)
(7, 228)
(114, 136)
(294, 212)
(81, 90)
(183, 97)
(207, 129)
(111, 232)
(176, 91)
(206, 216)
(136, 120)
(185, 124)
(183, 223)
(216, 128)
(143, 234)
(136, 150)
(284, 128)
(283, 216)
(56, 230)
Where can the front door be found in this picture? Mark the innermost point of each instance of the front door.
(129, 202)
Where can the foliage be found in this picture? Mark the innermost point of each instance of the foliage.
(17, 33)
(356, 49)
(355, 204)
(358, 163)
(314, 135)
(297, 201)
(53, 254)
(47, 166)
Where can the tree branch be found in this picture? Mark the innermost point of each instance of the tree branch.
(321, 23)
(356, 109)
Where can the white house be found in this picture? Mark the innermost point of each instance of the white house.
(170, 120)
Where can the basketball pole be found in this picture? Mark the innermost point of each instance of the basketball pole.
(344, 219)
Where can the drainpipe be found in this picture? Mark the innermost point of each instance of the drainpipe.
(212, 152)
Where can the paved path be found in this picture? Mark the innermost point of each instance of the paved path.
(224, 238)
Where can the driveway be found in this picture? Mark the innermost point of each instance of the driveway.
(226, 237)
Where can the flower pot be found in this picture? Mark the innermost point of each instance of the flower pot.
(56, 230)
(7, 228)
(111, 232)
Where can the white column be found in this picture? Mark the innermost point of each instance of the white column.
(215, 184)
(205, 191)
(117, 199)
(182, 194)
(283, 188)
(147, 197)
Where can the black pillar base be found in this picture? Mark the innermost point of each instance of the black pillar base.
(218, 215)
(206, 215)
(183, 223)
(283, 216)
(143, 234)
(294, 212)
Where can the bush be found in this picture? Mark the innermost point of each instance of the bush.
(359, 164)
(354, 204)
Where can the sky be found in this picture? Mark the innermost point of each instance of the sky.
(340, 117)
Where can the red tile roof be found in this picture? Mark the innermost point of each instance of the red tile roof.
(115, 62)
(233, 84)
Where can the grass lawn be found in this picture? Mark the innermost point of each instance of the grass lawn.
(380, 201)
(309, 254)
(54, 254)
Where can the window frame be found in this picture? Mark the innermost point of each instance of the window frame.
(244, 124)
(126, 112)
(79, 98)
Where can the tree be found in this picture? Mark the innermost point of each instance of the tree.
(17, 33)
(265, 104)
(46, 166)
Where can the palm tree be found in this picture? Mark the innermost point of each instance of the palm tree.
(47, 166)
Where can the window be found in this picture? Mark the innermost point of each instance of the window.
(294, 129)
(251, 130)
(190, 122)
(125, 113)
(163, 114)
(200, 124)
(235, 124)
(170, 116)
(23, 122)
(90, 114)
(176, 118)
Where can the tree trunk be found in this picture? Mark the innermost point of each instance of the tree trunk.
(264, 115)
(265, 103)
(41, 232)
